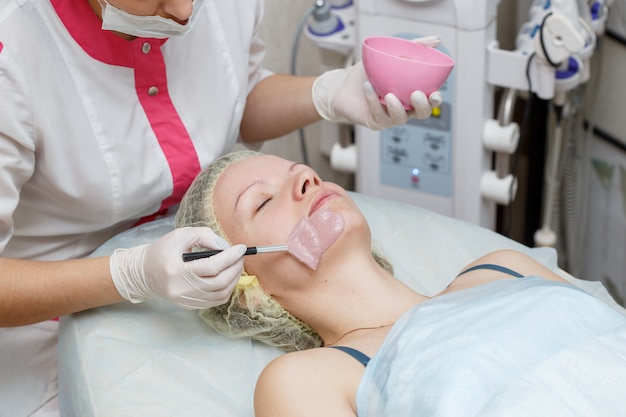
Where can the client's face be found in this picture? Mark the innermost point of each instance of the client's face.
(258, 201)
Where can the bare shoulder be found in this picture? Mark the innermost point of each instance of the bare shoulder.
(508, 258)
(308, 383)
(519, 262)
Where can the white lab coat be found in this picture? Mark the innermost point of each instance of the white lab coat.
(97, 132)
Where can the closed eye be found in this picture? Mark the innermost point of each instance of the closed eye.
(262, 205)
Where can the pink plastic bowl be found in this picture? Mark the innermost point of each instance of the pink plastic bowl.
(400, 66)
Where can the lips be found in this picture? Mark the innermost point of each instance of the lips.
(320, 199)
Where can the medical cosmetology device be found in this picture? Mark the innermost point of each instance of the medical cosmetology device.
(565, 145)
(456, 162)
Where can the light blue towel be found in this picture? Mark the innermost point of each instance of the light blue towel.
(515, 347)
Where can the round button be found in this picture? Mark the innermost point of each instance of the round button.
(145, 48)
(153, 91)
(415, 175)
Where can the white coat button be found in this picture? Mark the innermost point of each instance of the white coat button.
(145, 48)
(153, 91)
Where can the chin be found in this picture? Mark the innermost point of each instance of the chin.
(356, 234)
(355, 224)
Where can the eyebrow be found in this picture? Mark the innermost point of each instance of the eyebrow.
(257, 182)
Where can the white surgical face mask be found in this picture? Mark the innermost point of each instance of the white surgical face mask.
(145, 26)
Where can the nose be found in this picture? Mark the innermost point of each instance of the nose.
(304, 182)
(179, 10)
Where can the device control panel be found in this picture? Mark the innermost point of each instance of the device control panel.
(418, 155)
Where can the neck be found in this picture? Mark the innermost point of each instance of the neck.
(97, 9)
(95, 6)
(352, 300)
(355, 333)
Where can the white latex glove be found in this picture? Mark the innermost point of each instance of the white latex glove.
(158, 270)
(346, 96)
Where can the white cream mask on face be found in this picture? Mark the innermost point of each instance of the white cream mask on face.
(145, 26)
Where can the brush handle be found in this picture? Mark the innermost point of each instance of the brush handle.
(252, 250)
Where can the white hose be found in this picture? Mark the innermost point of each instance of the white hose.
(546, 236)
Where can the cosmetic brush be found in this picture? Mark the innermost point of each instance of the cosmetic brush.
(251, 250)
(308, 240)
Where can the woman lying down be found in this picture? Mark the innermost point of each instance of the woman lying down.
(508, 337)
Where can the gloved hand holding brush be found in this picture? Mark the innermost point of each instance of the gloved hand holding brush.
(158, 270)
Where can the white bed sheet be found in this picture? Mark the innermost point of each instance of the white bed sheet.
(153, 359)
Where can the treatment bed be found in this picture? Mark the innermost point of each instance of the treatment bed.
(154, 359)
